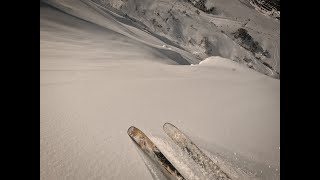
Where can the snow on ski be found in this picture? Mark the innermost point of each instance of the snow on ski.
(196, 154)
(147, 146)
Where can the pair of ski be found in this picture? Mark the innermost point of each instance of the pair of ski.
(148, 147)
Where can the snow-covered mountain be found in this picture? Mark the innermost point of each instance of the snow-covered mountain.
(207, 28)
(209, 67)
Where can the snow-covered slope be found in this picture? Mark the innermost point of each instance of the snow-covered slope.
(101, 73)
(207, 34)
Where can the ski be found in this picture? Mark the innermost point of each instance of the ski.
(196, 154)
(148, 147)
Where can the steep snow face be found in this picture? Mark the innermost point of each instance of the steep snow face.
(209, 33)
(101, 73)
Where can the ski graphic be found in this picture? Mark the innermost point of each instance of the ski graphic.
(147, 146)
(196, 154)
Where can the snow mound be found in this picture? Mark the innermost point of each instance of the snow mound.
(221, 62)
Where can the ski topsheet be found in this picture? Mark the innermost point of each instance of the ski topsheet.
(147, 146)
(196, 154)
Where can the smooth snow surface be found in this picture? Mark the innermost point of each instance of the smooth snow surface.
(100, 75)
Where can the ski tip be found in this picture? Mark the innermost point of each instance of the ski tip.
(130, 130)
(167, 125)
